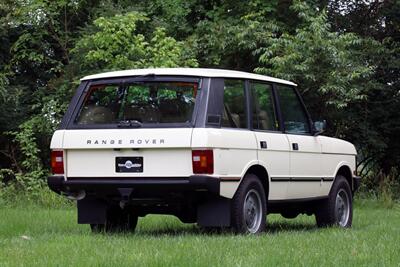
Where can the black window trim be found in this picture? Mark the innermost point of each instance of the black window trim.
(72, 106)
(248, 104)
(203, 103)
(310, 133)
(81, 92)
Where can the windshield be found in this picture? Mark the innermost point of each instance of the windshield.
(137, 103)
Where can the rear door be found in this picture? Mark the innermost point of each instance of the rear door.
(128, 153)
(132, 128)
(305, 149)
(237, 142)
(272, 144)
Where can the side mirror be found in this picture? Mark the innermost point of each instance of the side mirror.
(319, 127)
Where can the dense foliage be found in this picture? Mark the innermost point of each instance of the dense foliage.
(343, 54)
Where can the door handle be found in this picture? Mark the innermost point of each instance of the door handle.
(295, 146)
(263, 144)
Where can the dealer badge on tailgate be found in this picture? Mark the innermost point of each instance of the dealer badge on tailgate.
(129, 164)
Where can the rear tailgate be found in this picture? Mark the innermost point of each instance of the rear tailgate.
(159, 152)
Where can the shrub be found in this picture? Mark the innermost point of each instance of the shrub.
(384, 188)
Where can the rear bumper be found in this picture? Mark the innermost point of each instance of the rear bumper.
(356, 183)
(148, 184)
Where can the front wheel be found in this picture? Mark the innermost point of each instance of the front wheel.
(249, 206)
(337, 209)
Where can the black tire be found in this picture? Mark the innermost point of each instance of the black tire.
(250, 196)
(337, 209)
(117, 220)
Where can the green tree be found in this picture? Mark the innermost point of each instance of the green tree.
(36, 37)
(112, 43)
(332, 68)
(379, 114)
(116, 43)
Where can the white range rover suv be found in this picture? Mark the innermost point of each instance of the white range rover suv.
(217, 147)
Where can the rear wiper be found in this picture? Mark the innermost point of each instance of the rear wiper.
(129, 124)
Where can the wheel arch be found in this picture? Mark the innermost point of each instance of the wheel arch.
(345, 171)
(229, 189)
(262, 174)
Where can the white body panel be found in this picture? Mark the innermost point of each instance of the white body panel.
(99, 163)
(167, 153)
(305, 163)
(275, 159)
(127, 138)
(92, 153)
(234, 152)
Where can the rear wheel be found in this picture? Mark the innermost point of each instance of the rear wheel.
(337, 209)
(117, 220)
(249, 206)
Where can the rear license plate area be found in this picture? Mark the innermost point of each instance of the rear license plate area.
(129, 164)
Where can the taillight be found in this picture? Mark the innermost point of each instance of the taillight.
(203, 161)
(57, 162)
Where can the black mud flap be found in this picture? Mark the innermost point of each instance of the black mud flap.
(215, 213)
(92, 211)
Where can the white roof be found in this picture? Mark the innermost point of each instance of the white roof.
(216, 73)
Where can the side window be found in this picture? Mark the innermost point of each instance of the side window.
(264, 117)
(234, 114)
(294, 116)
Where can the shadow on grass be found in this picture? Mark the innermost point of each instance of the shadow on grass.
(281, 227)
(194, 230)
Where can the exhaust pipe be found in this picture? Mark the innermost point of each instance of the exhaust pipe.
(76, 195)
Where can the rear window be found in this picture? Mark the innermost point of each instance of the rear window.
(138, 103)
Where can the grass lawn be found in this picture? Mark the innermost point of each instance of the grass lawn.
(34, 236)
